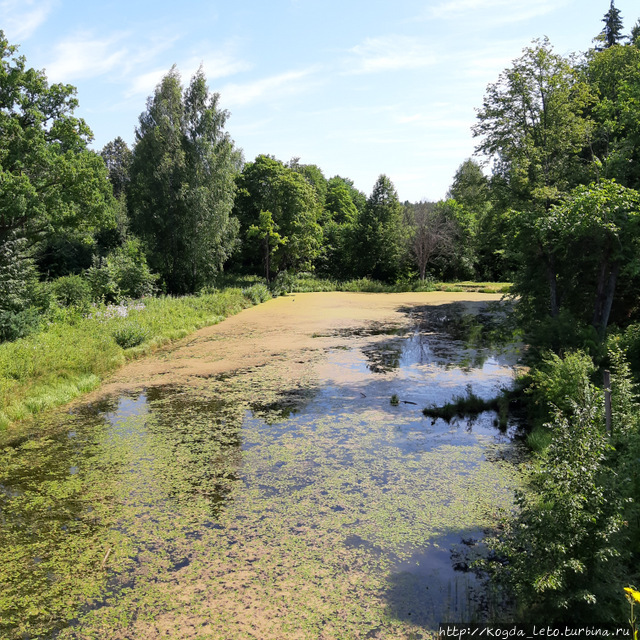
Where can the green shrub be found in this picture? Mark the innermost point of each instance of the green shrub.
(257, 293)
(72, 291)
(559, 384)
(130, 334)
(18, 324)
(129, 270)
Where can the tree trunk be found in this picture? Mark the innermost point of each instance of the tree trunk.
(604, 296)
(553, 287)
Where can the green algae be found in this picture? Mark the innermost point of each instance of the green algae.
(251, 506)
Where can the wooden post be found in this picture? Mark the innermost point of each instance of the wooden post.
(607, 400)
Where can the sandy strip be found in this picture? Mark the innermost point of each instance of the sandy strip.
(288, 328)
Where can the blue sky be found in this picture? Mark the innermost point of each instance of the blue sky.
(357, 87)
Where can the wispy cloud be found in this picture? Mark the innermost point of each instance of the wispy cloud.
(21, 18)
(278, 86)
(216, 64)
(85, 57)
(390, 53)
(499, 11)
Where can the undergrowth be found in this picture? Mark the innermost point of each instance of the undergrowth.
(76, 350)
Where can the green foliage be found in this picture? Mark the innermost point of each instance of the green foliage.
(570, 257)
(267, 185)
(470, 405)
(48, 368)
(130, 334)
(117, 156)
(611, 34)
(613, 76)
(257, 293)
(338, 227)
(72, 291)
(558, 384)
(122, 274)
(560, 553)
(18, 291)
(49, 179)
(379, 243)
(182, 183)
(532, 124)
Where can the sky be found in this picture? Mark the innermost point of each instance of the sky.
(358, 87)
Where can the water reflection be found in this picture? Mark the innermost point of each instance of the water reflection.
(327, 495)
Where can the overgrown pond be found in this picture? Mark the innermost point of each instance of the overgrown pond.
(255, 505)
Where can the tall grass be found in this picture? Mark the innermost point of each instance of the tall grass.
(75, 352)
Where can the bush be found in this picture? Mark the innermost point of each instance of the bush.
(257, 293)
(130, 334)
(124, 273)
(72, 291)
(18, 324)
(560, 384)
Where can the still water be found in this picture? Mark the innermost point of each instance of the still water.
(247, 507)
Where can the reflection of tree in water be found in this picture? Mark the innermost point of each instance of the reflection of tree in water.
(384, 356)
(457, 334)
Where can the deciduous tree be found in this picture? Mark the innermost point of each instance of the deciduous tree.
(183, 183)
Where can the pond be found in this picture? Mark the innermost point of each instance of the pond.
(262, 505)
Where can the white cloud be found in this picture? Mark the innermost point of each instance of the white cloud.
(390, 53)
(499, 11)
(216, 64)
(288, 83)
(86, 57)
(21, 18)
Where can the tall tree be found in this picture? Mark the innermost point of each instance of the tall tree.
(611, 34)
(614, 77)
(117, 156)
(183, 183)
(532, 125)
(593, 238)
(380, 233)
(267, 185)
(338, 220)
(49, 179)
(431, 234)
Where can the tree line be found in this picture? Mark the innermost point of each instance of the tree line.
(557, 214)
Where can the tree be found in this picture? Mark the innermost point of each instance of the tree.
(532, 125)
(117, 156)
(183, 183)
(338, 220)
(590, 239)
(431, 234)
(470, 187)
(611, 34)
(267, 185)
(266, 231)
(379, 233)
(313, 175)
(635, 34)
(49, 179)
(614, 78)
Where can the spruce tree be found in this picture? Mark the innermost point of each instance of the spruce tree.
(612, 32)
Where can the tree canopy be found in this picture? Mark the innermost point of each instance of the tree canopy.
(49, 179)
(183, 183)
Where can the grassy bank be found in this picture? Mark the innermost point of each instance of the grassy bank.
(76, 350)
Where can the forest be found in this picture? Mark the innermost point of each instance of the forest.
(549, 208)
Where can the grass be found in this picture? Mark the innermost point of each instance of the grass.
(470, 405)
(308, 283)
(75, 352)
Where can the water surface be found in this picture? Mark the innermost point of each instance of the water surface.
(254, 506)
